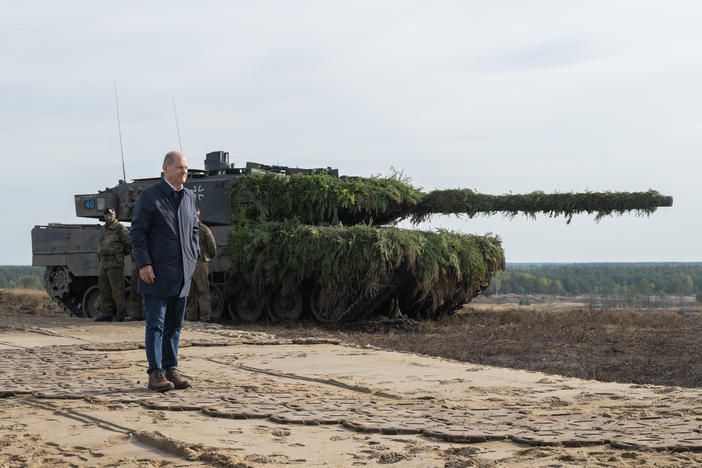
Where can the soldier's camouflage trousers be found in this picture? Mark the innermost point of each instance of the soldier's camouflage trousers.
(199, 296)
(111, 284)
(136, 301)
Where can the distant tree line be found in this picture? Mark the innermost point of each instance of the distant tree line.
(642, 279)
(26, 277)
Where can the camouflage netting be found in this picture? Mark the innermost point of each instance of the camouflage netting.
(312, 199)
(324, 198)
(349, 261)
(322, 231)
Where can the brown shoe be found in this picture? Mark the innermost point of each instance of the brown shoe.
(177, 380)
(158, 382)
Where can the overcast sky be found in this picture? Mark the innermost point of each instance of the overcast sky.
(496, 96)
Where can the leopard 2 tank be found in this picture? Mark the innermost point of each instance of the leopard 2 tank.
(295, 243)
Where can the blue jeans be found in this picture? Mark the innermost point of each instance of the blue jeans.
(164, 319)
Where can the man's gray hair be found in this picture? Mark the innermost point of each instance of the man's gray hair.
(171, 157)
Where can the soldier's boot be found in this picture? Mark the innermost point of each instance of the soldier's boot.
(176, 379)
(136, 313)
(158, 382)
(107, 308)
(116, 287)
(120, 310)
(205, 310)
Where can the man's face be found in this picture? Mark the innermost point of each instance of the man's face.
(109, 217)
(177, 171)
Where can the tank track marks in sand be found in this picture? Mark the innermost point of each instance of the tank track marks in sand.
(69, 372)
(156, 440)
(191, 452)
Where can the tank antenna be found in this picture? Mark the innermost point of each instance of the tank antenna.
(119, 128)
(177, 126)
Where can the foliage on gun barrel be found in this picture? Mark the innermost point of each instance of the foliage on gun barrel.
(467, 202)
(313, 199)
(347, 262)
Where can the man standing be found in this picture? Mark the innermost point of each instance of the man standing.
(112, 248)
(165, 237)
(200, 288)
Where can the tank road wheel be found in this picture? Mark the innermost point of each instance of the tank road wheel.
(285, 307)
(217, 302)
(91, 302)
(249, 308)
(326, 314)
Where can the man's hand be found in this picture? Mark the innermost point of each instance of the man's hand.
(146, 273)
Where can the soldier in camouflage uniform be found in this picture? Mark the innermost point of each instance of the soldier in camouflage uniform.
(137, 303)
(199, 296)
(113, 246)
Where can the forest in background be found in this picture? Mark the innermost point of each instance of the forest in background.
(19, 276)
(605, 279)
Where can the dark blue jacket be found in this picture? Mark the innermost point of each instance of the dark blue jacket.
(164, 235)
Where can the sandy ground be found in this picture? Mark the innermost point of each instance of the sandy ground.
(73, 393)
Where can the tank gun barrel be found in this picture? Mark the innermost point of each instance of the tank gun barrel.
(326, 199)
(470, 203)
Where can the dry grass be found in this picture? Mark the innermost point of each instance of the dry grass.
(644, 347)
(28, 302)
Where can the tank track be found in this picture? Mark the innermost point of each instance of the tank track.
(62, 288)
(394, 299)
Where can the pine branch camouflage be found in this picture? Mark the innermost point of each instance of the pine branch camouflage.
(322, 232)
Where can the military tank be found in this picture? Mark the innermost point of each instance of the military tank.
(308, 242)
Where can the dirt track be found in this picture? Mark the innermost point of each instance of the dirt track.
(73, 392)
